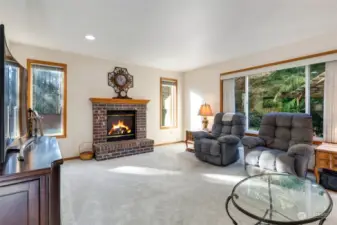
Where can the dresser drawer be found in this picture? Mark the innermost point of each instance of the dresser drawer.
(323, 163)
(334, 162)
(323, 155)
(334, 156)
(334, 166)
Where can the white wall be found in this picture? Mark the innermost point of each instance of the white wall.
(87, 77)
(204, 84)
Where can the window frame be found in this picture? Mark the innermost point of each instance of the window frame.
(307, 100)
(31, 62)
(161, 103)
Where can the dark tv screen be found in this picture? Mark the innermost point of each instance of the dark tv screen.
(13, 99)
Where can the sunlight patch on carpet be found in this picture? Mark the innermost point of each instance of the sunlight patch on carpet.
(147, 171)
(221, 178)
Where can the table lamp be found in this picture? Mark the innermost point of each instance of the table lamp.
(205, 110)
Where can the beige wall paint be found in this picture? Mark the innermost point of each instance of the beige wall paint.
(87, 77)
(204, 84)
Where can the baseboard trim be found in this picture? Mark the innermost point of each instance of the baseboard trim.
(71, 158)
(169, 143)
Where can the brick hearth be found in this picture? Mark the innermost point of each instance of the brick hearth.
(106, 150)
(117, 149)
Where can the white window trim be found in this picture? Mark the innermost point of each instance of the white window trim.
(307, 89)
(246, 102)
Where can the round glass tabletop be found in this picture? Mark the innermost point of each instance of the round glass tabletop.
(281, 199)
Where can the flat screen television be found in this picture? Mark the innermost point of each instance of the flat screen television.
(13, 98)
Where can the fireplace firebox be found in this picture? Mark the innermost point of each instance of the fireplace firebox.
(121, 125)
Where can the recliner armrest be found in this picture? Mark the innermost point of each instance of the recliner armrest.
(229, 139)
(202, 134)
(304, 150)
(301, 153)
(251, 141)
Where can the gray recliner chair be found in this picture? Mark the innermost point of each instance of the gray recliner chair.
(283, 145)
(220, 147)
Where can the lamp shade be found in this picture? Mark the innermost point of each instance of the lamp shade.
(205, 110)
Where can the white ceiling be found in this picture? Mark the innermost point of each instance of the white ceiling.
(176, 35)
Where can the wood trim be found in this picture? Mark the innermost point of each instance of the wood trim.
(119, 101)
(169, 79)
(65, 100)
(281, 62)
(29, 83)
(168, 143)
(47, 63)
(21, 100)
(161, 104)
(250, 134)
(23, 176)
(44, 199)
(30, 62)
(221, 95)
(317, 142)
(61, 135)
(71, 158)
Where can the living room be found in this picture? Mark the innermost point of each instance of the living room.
(160, 112)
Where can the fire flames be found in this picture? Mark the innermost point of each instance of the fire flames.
(119, 128)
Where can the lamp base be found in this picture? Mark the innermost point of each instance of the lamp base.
(205, 123)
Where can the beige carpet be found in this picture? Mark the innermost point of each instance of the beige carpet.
(166, 187)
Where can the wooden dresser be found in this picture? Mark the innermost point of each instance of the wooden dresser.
(325, 158)
(30, 190)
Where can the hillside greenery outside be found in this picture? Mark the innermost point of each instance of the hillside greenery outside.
(282, 91)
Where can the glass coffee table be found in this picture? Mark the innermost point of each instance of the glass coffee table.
(280, 199)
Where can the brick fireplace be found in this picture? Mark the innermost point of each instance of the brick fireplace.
(119, 127)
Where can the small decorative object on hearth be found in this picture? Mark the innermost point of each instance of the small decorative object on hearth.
(121, 81)
(205, 110)
(85, 151)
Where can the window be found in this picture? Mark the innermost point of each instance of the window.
(297, 89)
(48, 96)
(168, 103)
(12, 99)
(277, 91)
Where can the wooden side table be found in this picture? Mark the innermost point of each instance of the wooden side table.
(325, 158)
(189, 140)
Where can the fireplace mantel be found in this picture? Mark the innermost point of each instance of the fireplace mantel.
(119, 101)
